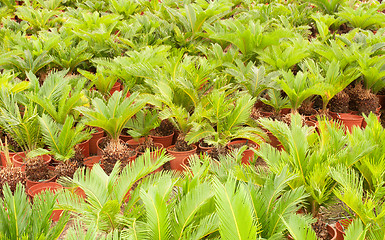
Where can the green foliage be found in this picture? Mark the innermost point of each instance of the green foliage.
(102, 80)
(112, 115)
(144, 121)
(329, 7)
(364, 17)
(20, 219)
(231, 120)
(62, 139)
(106, 193)
(56, 96)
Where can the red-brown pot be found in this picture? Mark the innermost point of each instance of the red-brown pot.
(117, 87)
(95, 137)
(340, 226)
(247, 155)
(204, 149)
(19, 162)
(177, 162)
(381, 100)
(4, 160)
(30, 183)
(90, 161)
(350, 120)
(134, 143)
(274, 141)
(85, 148)
(100, 150)
(51, 186)
(125, 138)
(166, 141)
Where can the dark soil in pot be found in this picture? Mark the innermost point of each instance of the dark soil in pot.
(181, 145)
(249, 145)
(214, 153)
(339, 103)
(362, 100)
(307, 109)
(321, 230)
(12, 176)
(37, 170)
(116, 151)
(165, 129)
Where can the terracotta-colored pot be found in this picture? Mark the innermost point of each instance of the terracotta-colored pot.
(125, 138)
(204, 149)
(4, 160)
(128, 94)
(100, 150)
(85, 148)
(285, 111)
(49, 186)
(134, 143)
(350, 120)
(177, 162)
(18, 160)
(381, 100)
(90, 161)
(30, 183)
(166, 141)
(274, 141)
(341, 225)
(117, 87)
(247, 155)
(266, 114)
(95, 137)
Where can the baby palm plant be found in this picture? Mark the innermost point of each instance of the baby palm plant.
(61, 140)
(252, 79)
(56, 96)
(332, 81)
(309, 156)
(102, 80)
(274, 99)
(298, 88)
(22, 219)
(106, 193)
(141, 126)
(112, 115)
(223, 120)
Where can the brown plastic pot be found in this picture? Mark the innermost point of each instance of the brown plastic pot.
(274, 141)
(99, 149)
(177, 162)
(90, 161)
(350, 120)
(125, 138)
(94, 139)
(381, 100)
(166, 141)
(30, 183)
(18, 160)
(85, 148)
(117, 87)
(247, 155)
(3, 158)
(341, 225)
(49, 186)
(134, 143)
(204, 149)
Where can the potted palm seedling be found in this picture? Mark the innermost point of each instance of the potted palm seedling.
(9, 174)
(224, 120)
(141, 126)
(62, 141)
(24, 129)
(112, 115)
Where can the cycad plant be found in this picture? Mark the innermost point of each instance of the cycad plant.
(142, 124)
(103, 80)
(57, 96)
(310, 156)
(61, 140)
(105, 194)
(112, 115)
(252, 79)
(20, 219)
(298, 88)
(223, 120)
